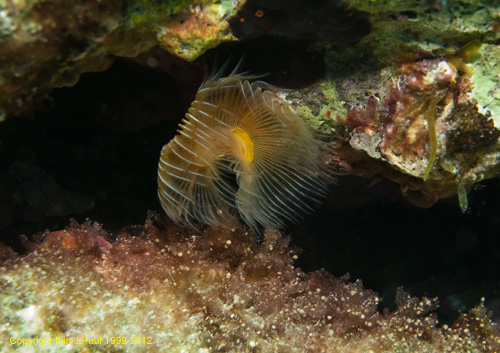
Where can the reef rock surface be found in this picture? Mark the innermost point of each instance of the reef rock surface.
(417, 101)
(49, 44)
(159, 288)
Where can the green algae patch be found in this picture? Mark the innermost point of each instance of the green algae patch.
(150, 12)
(409, 27)
(335, 106)
(486, 79)
(190, 33)
(320, 106)
(184, 28)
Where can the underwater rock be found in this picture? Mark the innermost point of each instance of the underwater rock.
(326, 22)
(162, 288)
(49, 44)
(431, 130)
(434, 26)
(44, 45)
(417, 101)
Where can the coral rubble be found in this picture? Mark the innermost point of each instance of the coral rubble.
(166, 289)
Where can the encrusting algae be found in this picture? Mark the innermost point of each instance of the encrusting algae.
(240, 128)
(428, 130)
(158, 288)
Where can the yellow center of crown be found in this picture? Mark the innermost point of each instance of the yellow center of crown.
(246, 144)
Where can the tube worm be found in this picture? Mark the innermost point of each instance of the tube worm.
(242, 147)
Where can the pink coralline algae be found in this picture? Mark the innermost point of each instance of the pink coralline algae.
(428, 131)
(220, 291)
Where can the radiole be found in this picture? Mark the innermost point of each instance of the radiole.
(241, 147)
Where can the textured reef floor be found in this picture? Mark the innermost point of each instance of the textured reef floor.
(158, 288)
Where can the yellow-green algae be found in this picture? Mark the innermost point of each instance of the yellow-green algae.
(486, 80)
(149, 12)
(330, 111)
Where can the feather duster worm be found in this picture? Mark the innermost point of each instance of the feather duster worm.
(241, 131)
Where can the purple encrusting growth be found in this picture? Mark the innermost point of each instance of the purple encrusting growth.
(221, 291)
